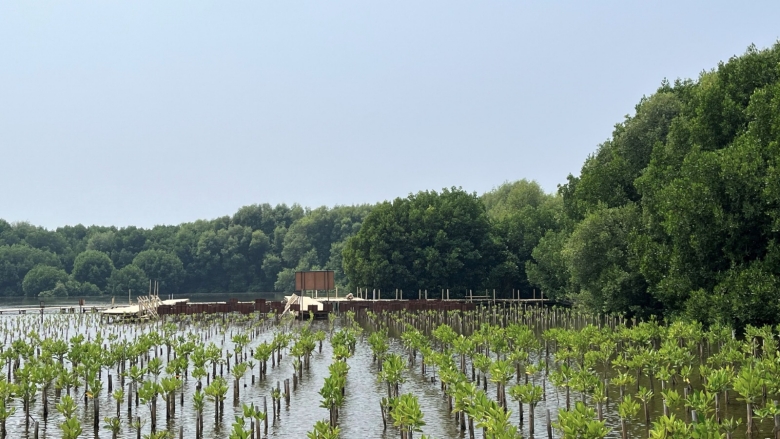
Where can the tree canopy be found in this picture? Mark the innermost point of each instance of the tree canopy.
(676, 214)
(428, 240)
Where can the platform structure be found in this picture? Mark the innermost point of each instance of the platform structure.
(145, 309)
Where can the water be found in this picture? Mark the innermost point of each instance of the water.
(34, 302)
(360, 417)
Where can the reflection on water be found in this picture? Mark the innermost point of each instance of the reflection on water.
(360, 416)
(106, 299)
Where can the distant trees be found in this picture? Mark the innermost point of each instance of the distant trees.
(128, 278)
(520, 214)
(43, 278)
(250, 251)
(428, 240)
(93, 266)
(17, 260)
(678, 214)
(164, 267)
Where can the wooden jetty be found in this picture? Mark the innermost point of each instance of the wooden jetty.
(64, 309)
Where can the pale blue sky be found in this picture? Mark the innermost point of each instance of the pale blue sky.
(160, 112)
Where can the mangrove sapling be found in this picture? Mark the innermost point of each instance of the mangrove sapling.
(527, 394)
(492, 418)
(7, 392)
(148, 392)
(136, 375)
(45, 373)
(749, 385)
(379, 346)
(119, 396)
(217, 391)
(239, 430)
(627, 410)
(94, 389)
(114, 425)
(319, 337)
(770, 367)
(71, 427)
(262, 353)
(323, 430)
(276, 399)
(256, 415)
(669, 427)
(239, 342)
(407, 415)
(599, 396)
(463, 347)
(580, 423)
(622, 380)
(729, 426)
(163, 434)
(562, 378)
(769, 411)
(718, 382)
(645, 395)
(702, 404)
(198, 404)
(392, 374)
(168, 387)
(252, 365)
(463, 394)
(671, 400)
(26, 388)
(585, 382)
(332, 396)
(239, 370)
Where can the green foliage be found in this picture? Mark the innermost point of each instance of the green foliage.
(580, 423)
(428, 240)
(248, 252)
(16, 261)
(127, 278)
(94, 267)
(323, 430)
(406, 413)
(677, 212)
(165, 267)
(43, 278)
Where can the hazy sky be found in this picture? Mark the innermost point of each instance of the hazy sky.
(161, 112)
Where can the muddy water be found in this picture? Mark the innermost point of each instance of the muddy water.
(359, 417)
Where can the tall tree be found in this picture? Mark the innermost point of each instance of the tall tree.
(94, 267)
(428, 240)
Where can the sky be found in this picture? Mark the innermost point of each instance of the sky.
(147, 112)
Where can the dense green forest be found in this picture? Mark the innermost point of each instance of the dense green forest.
(678, 213)
(259, 248)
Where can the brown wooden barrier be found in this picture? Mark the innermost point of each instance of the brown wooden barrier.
(264, 306)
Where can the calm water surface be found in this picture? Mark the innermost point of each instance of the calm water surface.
(360, 416)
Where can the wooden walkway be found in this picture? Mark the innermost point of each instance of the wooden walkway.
(63, 309)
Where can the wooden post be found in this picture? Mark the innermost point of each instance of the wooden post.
(265, 421)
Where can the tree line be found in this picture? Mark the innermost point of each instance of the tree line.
(259, 248)
(676, 214)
